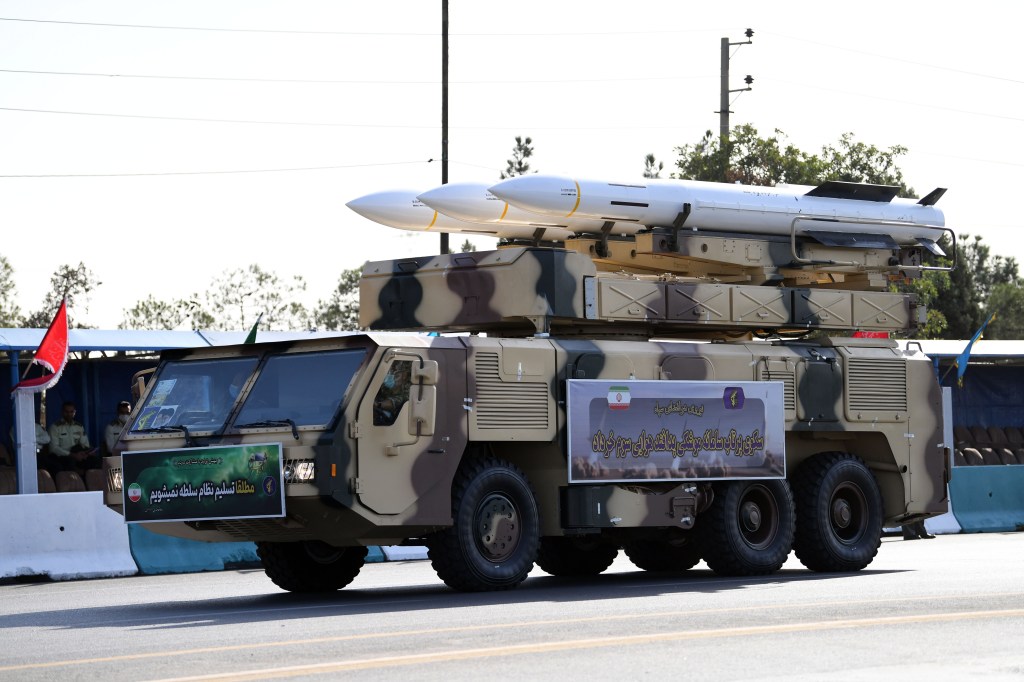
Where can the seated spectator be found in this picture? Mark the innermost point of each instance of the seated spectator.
(69, 444)
(113, 430)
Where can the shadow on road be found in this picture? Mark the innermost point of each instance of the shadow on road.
(263, 608)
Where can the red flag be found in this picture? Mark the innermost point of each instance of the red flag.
(51, 354)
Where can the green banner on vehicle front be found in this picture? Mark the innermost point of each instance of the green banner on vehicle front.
(644, 431)
(196, 484)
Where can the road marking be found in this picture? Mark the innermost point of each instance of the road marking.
(592, 643)
(475, 628)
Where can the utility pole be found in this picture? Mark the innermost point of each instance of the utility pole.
(723, 102)
(444, 109)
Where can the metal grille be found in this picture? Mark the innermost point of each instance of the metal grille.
(788, 379)
(114, 479)
(299, 470)
(876, 384)
(507, 404)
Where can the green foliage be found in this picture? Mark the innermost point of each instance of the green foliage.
(653, 167)
(75, 282)
(341, 311)
(1007, 302)
(748, 158)
(467, 247)
(238, 297)
(518, 164)
(10, 313)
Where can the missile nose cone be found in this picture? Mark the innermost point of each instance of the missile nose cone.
(393, 208)
(550, 194)
(464, 200)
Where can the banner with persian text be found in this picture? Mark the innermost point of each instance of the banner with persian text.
(220, 482)
(636, 431)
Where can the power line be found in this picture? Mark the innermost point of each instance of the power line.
(557, 34)
(898, 59)
(489, 81)
(221, 172)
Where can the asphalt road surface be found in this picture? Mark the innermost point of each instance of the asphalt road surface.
(945, 609)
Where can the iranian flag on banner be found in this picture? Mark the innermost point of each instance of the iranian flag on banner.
(618, 397)
(52, 353)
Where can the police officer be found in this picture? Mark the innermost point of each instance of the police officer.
(113, 430)
(69, 444)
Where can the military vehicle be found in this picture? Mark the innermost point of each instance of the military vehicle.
(673, 394)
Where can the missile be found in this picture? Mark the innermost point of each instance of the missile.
(471, 201)
(401, 209)
(833, 207)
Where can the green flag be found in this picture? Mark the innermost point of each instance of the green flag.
(252, 332)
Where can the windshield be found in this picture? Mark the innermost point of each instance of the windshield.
(197, 394)
(306, 388)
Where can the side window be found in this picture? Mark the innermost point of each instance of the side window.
(393, 393)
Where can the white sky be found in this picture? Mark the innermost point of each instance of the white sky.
(596, 84)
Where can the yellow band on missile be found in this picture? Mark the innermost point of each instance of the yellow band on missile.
(503, 212)
(432, 221)
(577, 199)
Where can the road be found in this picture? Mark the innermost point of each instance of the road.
(942, 609)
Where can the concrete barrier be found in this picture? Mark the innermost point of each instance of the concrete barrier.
(988, 498)
(63, 536)
(403, 553)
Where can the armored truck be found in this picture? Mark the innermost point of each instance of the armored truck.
(552, 406)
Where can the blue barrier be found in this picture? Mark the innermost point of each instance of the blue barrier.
(988, 498)
(155, 553)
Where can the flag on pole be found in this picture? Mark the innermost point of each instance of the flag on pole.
(961, 360)
(252, 332)
(52, 353)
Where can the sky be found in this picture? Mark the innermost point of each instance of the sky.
(166, 143)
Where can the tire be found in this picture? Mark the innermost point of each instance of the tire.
(839, 513)
(675, 555)
(310, 566)
(575, 557)
(494, 536)
(748, 530)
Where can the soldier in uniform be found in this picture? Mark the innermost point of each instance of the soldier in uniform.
(69, 444)
(393, 393)
(114, 428)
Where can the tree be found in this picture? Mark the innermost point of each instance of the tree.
(518, 164)
(1007, 302)
(10, 313)
(238, 297)
(74, 282)
(652, 167)
(747, 158)
(467, 247)
(960, 300)
(341, 311)
(754, 160)
(153, 314)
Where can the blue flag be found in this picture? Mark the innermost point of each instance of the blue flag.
(961, 360)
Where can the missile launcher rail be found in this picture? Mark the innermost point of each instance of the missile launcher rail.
(527, 291)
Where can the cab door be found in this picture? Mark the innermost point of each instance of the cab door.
(410, 436)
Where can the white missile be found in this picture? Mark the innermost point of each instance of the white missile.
(832, 207)
(402, 210)
(473, 202)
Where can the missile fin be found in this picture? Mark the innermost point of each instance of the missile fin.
(932, 198)
(931, 246)
(836, 189)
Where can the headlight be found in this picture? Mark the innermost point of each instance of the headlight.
(115, 482)
(299, 470)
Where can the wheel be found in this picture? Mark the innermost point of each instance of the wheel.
(575, 556)
(679, 553)
(838, 513)
(310, 566)
(493, 540)
(748, 530)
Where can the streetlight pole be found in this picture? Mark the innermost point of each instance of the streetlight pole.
(723, 101)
